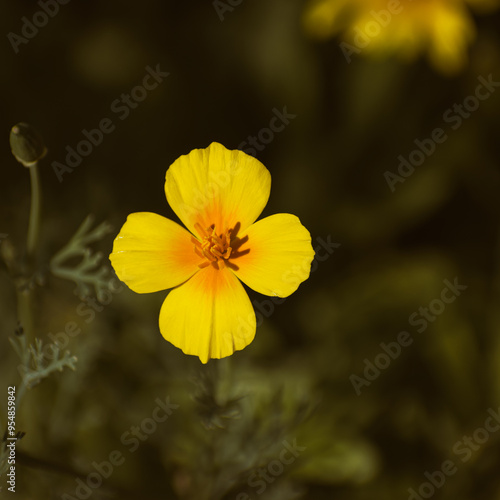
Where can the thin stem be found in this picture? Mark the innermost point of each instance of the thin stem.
(20, 395)
(24, 295)
(25, 312)
(34, 222)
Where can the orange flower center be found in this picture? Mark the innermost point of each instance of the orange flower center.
(214, 248)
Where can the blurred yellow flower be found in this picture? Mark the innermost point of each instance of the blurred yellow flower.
(443, 29)
(218, 194)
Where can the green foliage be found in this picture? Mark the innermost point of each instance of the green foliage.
(88, 274)
(241, 428)
(38, 362)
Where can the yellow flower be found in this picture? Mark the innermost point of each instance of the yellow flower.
(442, 29)
(218, 194)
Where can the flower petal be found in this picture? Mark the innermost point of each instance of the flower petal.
(323, 18)
(209, 316)
(153, 253)
(280, 255)
(217, 186)
(451, 30)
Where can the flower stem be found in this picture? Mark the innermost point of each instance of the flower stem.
(34, 221)
(24, 312)
(24, 298)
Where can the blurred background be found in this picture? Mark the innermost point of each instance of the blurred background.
(314, 408)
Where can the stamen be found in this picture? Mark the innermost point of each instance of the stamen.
(213, 248)
(200, 230)
(198, 251)
(216, 252)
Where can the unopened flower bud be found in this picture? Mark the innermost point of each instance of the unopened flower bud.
(26, 144)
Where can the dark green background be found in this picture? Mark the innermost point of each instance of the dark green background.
(396, 249)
